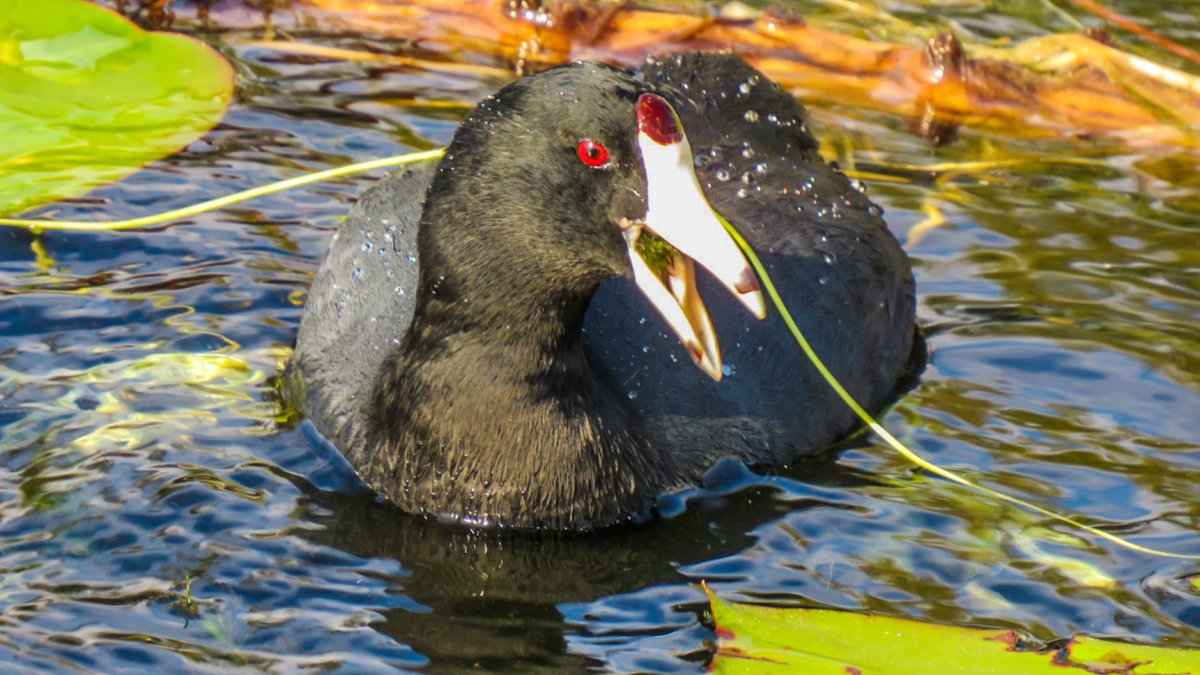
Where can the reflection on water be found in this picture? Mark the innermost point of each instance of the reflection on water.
(151, 514)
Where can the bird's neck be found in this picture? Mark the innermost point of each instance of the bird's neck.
(497, 418)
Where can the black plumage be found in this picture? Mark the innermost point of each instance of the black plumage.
(473, 346)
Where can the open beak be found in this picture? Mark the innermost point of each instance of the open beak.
(685, 231)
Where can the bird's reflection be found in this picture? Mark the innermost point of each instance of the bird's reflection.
(490, 599)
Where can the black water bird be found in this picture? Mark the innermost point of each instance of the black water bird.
(501, 339)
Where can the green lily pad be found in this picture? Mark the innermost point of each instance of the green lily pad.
(86, 97)
(754, 639)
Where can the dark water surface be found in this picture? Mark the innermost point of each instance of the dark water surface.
(154, 517)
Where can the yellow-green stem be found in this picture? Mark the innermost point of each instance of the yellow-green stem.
(767, 284)
(891, 440)
(220, 202)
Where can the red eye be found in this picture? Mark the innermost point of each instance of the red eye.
(592, 153)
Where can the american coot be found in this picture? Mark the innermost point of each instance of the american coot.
(496, 340)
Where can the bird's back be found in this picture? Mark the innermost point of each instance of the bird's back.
(360, 304)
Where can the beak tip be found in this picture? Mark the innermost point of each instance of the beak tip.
(754, 302)
(710, 366)
(712, 371)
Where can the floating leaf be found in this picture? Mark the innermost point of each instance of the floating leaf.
(754, 639)
(86, 97)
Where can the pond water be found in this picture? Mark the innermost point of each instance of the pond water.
(154, 515)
